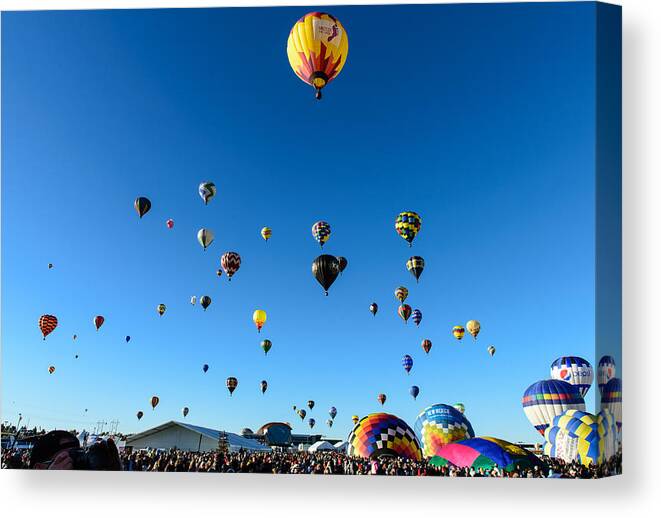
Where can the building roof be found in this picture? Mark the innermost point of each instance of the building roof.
(262, 429)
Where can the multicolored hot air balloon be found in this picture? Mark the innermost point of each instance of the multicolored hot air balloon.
(170, 224)
(154, 401)
(184, 411)
(544, 400)
(415, 265)
(266, 346)
(47, 324)
(332, 411)
(205, 368)
(407, 363)
(491, 350)
(317, 49)
(355, 419)
(259, 318)
(231, 262)
(401, 293)
(416, 316)
(407, 225)
(231, 384)
(321, 232)
(374, 307)
(414, 391)
(219, 272)
(263, 385)
(606, 370)
(207, 191)
(576, 436)
(266, 233)
(311, 422)
(611, 400)
(459, 407)
(426, 345)
(205, 237)
(575, 371)
(325, 269)
(381, 398)
(342, 262)
(404, 311)
(383, 434)
(51, 369)
(611, 441)
(98, 321)
(160, 309)
(205, 302)
(473, 327)
(485, 453)
(139, 414)
(438, 425)
(310, 404)
(458, 332)
(301, 413)
(142, 206)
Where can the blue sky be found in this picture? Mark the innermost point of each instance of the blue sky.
(479, 118)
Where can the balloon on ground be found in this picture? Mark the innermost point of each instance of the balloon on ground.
(383, 434)
(440, 424)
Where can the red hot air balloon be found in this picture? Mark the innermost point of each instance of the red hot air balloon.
(426, 345)
(154, 402)
(381, 398)
(98, 321)
(170, 223)
(47, 324)
(404, 311)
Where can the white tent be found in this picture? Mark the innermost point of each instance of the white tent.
(341, 446)
(321, 446)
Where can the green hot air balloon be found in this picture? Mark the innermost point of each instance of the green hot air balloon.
(266, 346)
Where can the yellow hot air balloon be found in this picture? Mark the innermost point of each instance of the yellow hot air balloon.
(317, 49)
(259, 317)
(266, 233)
(458, 332)
(473, 327)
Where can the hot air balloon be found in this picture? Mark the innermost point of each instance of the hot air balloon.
(50, 265)
(301, 413)
(231, 384)
(416, 316)
(310, 404)
(184, 411)
(294, 407)
(219, 272)
(154, 402)
(170, 223)
(231, 262)
(259, 318)
(98, 321)
(207, 191)
(76, 356)
(193, 300)
(329, 422)
(342, 262)
(74, 336)
(415, 265)
(414, 391)
(381, 398)
(266, 234)
(611, 400)
(205, 237)
(142, 206)
(546, 399)
(401, 293)
(51, 369)
(426, 345)
(576, 436)
(205, 368)
(266, 346)
(383, 434)
(438, 425)
(575, 371)
(332, 411)
(459, 407)
(317, 49)
(311, 422)
(160, 309)
(205, 302)
(407, 363)
(458, 332)
(128, 338)
(355, 419)
(407, 225)
(404, 311)
(263, 385)
(139, 414)
(47, 324)
(325, 269)
(485, 454)
(321, 232)
(473, 327)
(606, 370)
(374, 308)
(491, 350)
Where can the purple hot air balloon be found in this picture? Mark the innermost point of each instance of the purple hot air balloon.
(407, 363)
(416, 316)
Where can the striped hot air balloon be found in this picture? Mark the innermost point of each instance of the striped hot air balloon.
(416, 316)
(47, 324)
(415, 265)
(231, 262)
(575, 371)
(544, 400)
(407, 363)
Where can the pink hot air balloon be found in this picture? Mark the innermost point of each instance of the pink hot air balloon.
(170, 223)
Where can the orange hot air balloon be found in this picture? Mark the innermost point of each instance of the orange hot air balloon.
(51, 369)
(47, 324)
(98, 321)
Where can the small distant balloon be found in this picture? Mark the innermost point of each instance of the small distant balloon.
(75, 337)
(342, 262)
(128, 338)
(426, 345)
(374, 307)
(473, 327)
(310, 404)
(458, 332)
(266, 346)
(170, 223)
(184, 411)
(193, 300)
(491, 350)
(332, 411)
(414, 391)
(301, 413)
(51, 369)
(205, 302)
(161, 309)
(407, 225)
(404, 311)
(263, 385)
(459, 407)
(154, 401)
(231, 384)
(321, 231)
(207, 191)
(205, 237)
(47, 324)
(50, 265)
(381, 398)
(142, 206)
(231, 262)
(205, 368)
(401, 293)
(266, 233)
(98, 321)
(329, 422)
(407, 363)
(259, 318)
(311, 422)
(139, 414)
(416, 316)
(355, 419)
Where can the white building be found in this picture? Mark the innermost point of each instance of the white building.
(184, 436)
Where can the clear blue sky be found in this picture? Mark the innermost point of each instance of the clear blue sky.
(478, 117)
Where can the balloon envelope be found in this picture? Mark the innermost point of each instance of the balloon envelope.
(544, 400)
(325, 269)
(383, 434)
(438, 425)
(575, 371)
(47, 324)
(407, 225)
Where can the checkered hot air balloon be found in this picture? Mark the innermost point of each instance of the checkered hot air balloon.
(575, 371)
(383, 434)
(606, 370)
(231, 384)
(407, 225)
(544, 400)
(404, 311)
(415, 265)
(407, 363)
(47, 324)
(576, 436)
(438, 425)
(321, 232)
(416, 316)
(231, 262)
(317, 49)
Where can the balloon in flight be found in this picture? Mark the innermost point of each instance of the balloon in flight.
(416, 316)
(205, 368)
(407, 225)
(415, 265)
(381, 398)
(332, 411)
(160, 309)
(98, 321)
(154, 401)
(263, 385)
(310, 404)
(401, 293)
(414, 391)
(259, 318)
(491, 350)
(184, 411)
(374, 307)
(266, 233)
(458, 332)
(170, 223)
(142, 206)
(342, 262)
(404, 311)
(575, 371)
(321, 232)
(231, 262)
(51, 369)
(139, 414)
(205, 237)
(426, 345)
(325, 269)
(266, 346)
(207, 191)
(473, 327)
(205, 302)
(231, 384)
(407, 363)
(47, 324)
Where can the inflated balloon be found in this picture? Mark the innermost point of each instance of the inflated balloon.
(184, 411)
(491, 350)
(160, 309)
(458, 332)
(294, 407)
(407, 225)
(310, 404)
(219, 272)
(231, 384)
(50, 265)
(98, 321)
(438, 425)
(355, 419)
(611, 441)
(207, 191)
(321, 232)
(611, 400)
(205, 237)
(317, 49)
(51, 369)
(75, 336)
(263, 385)
(485, 454)
(544, 400)
(259, 318)
(231, 262)
(154, 401)
(381, 398)
(139, 414)
(205, 368)
(473, 327)
(576, 436)
(416, 316)
(404, 311)
(325, 269)
(329, 422)
(332, 411)
(142, 206)
(374, 307)
(407, 363)
(205, 302)
(383, 434)
(193, 300)
(426, 345)
(128, 338)
(606, 370)
(414, 391)
(401, 293)
(170, 223)
(266, 346)
(266, 233)
(575, 371)
(311, 422)
(76, 356)
(301, 413)
(415, 265)
(459, 407)
(47, 324)
(342, 262)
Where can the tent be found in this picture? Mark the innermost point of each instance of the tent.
(321, 446)
(341, 446)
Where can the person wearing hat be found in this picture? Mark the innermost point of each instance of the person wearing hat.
(60, 449)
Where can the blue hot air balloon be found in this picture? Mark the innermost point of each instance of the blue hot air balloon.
(205, 367)
(606, 370)
(407, 363)
(416, 316)
(611, 400)
(414, 391)
(332, 411)
(438, 425)
(544, 400)
(575, 371)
